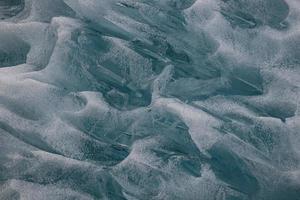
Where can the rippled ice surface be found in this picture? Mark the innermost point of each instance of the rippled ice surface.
(149, 99)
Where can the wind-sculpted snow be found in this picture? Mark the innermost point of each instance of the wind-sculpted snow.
(149, 99)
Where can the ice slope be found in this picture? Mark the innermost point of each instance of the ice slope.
(149, 99)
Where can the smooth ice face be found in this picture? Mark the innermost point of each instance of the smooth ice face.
(149, 99)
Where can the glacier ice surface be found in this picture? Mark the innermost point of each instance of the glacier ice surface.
(149, 99)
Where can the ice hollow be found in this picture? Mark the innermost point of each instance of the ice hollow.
(249, 14)
(13, 50)
(10, 8)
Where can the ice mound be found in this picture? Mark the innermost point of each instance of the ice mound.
(149, 99)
